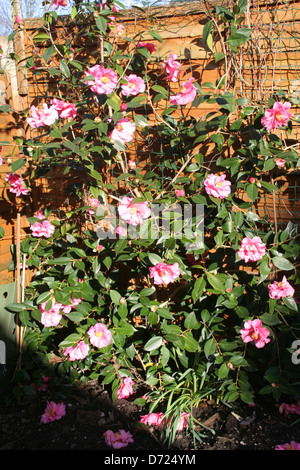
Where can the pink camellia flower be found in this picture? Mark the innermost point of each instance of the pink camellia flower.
(288, 446)
(126, 389)
(280, 162)
(252, 249)
(121, 231)
(64, 109)
(164, 273)
(42, 229)
(254, 331)
(99, 335)
(17, 184)
(40, 215)
(69, 308)
(123, 107)
(19, 20)
(158, 420)
(179, 192)
(289, 408)
(53, 412)
(80, 351)
(123, 131)
(186, 94)
(59, 3)
(148, 45)
(172, 67)
(93, 202)
(105, 80)
(133, 213)
(277, 116)
(183, 421)
(43, 386)
(120, 29)
(119, 439)
(278, 290)
(153, 419)
(134, 85)
(42, 117)
(52, 316)
(217, 186)
(131, 164)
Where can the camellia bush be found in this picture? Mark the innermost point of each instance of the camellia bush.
(164, 282)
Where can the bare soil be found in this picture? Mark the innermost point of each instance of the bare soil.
(90, 412)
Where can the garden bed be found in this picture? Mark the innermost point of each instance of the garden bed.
(90, 412)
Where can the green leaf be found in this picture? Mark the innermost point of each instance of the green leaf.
(75, 316)
(16, 307)
(101, 24)
(60, 261)
(215, 282)
(190, 321)
(18, 164)
(290, 303)
(160, 89)
(240, 37)
(153, 343)
(115, 297)
(207, 34)
(44, 297)
(190, 344)
(268, 186)
(252, 191)
(198, 289)
(70, 340)
(219, 56)
(155, 35)
(64, 68)
(223, 371)
(282, 263)
(40, 37)
(154, 258)
(210, 347)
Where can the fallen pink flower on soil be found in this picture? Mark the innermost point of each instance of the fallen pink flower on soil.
(119, 439)
(53, 412)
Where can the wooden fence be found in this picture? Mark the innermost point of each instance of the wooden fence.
(270, 66)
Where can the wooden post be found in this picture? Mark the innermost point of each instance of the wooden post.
(19, 49)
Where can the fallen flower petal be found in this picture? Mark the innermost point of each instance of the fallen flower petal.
(119, 439)
(53, 412)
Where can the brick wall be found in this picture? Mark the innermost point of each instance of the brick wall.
(260, 72)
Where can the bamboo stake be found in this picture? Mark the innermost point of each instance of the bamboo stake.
(18, 277)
